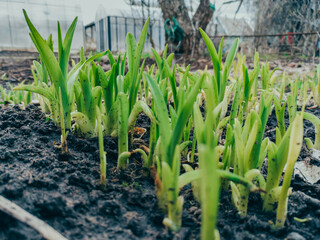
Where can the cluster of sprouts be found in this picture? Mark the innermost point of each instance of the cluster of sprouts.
(189, 119)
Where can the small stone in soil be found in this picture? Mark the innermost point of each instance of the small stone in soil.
(294, 236)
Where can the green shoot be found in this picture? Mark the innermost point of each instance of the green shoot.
(169, 156)
(316, 122)
(103, 158)
(220, 79)
(295, 145)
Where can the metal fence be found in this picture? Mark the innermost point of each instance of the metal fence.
(111, 33)
(297, 45)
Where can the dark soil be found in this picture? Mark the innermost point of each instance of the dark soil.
(15, 67)
(64, 191)
(309, 131)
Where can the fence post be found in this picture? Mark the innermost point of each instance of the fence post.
(125, 26)
(109, 33)
(117, 39)
(160, 43)
(134, 28)
(101, 35)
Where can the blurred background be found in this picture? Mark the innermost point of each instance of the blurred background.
(276, 28)
(104, 23)
(270, 26)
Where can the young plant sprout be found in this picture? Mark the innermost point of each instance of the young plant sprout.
(247, 150)
(314, 84)
(88, 98)
(225, 115)
(209, 188)
(206, 186)
(103, 157)
(64, 134)
(292, 99)
(267, 77)
(280, 116)
(247, 82)
(246, 163)
(280, 154)
(14, 97)
(220, 80)
(168, 159)
(286, 153)
(60, 79)
(209, 154)
(316, 122)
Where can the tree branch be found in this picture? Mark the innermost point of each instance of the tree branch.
(20, 214)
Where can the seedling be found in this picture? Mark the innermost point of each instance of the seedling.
(220, 79)
(316, 122)
(60, 79)
(103, 157)
(168, 157)
(314, 84)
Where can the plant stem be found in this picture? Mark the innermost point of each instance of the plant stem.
(123, 127)
(103, 158)
(64, 146)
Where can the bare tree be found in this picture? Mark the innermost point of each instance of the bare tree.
(145, 9)
(190, 25)
(281, 16)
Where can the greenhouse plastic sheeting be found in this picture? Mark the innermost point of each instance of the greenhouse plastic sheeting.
(44, 14)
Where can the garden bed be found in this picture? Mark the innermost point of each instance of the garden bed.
(64, 189)
(55, 176)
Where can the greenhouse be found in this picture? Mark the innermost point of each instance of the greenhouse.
(45, 14)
